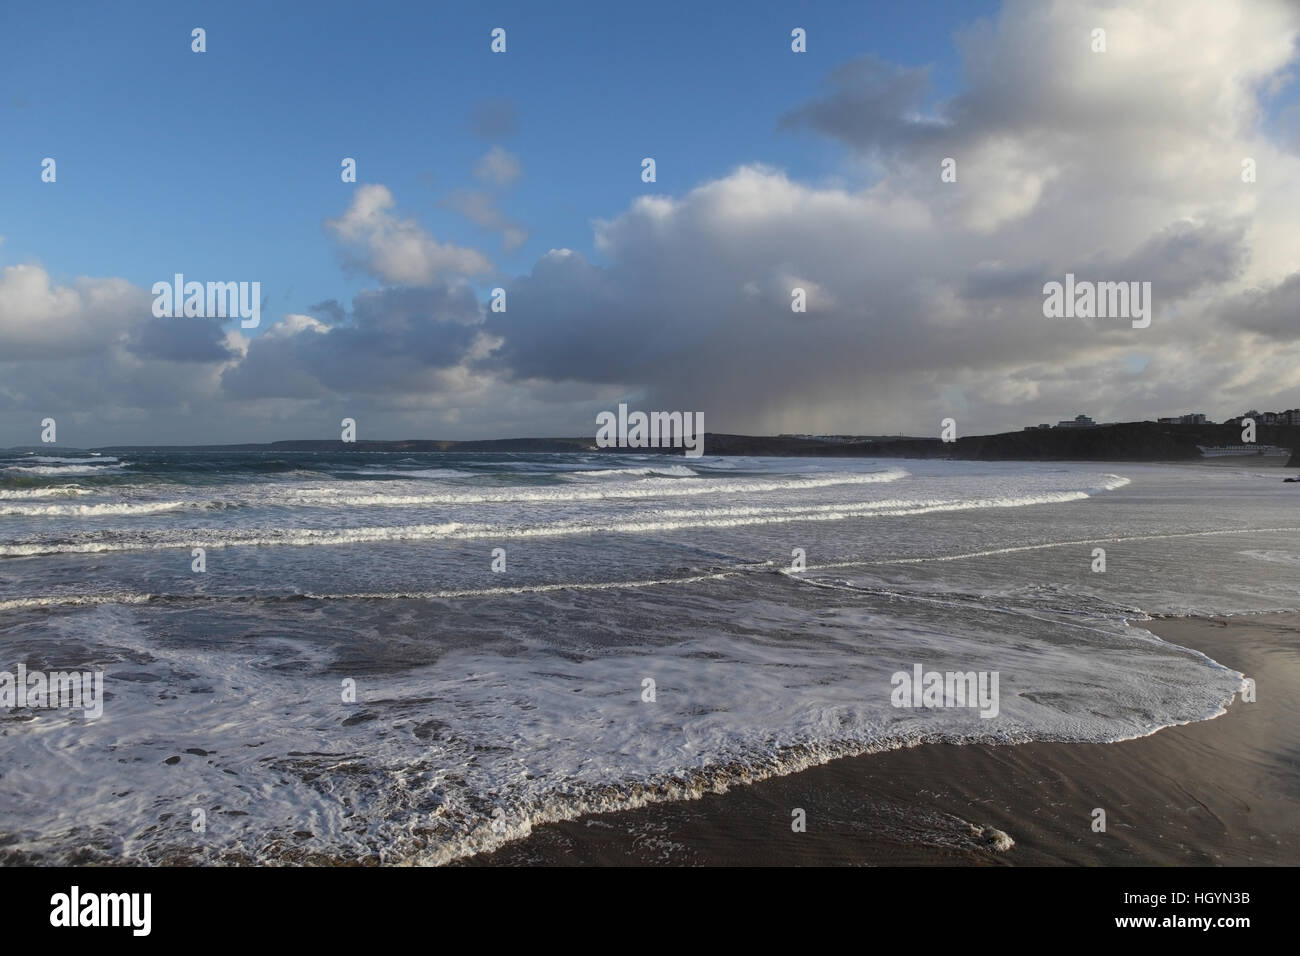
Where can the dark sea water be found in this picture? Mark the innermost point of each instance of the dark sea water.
(489, 700)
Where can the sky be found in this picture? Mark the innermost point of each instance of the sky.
(522, 171)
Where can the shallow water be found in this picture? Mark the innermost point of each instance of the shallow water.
(487, 701)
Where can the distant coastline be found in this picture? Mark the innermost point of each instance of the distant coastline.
(1128, 441)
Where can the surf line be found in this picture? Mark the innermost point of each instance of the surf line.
(72, 599)
(1039, 547)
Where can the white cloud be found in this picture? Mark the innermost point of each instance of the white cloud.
(925, 297)
(499, 167)
(1123, 165)
(41, 320)
(398, 250)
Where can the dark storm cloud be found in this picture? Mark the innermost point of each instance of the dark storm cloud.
(179, 340)
(1273, 312)
(330, 312)
(869, 104)
(391, 340)
(1184, 257)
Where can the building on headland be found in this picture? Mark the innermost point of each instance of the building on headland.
(1079, 421)
(1289, 417)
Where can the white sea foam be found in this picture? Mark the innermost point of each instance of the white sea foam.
(1113, 539)
(674, 471)
(649, 487)
(79, 469)
(127, 597)
(415, 472)
(97, 510)
(59, 491)
(416, 771)
(652, 522)
(80, 460)
(74, 600)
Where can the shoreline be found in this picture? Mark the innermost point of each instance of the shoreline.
(1219, 792)
(1110, 442)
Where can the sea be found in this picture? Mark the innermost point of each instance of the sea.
(416, 658)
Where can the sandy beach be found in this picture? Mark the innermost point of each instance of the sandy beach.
(1224, 792)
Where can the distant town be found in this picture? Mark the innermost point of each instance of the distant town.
(1289, 417)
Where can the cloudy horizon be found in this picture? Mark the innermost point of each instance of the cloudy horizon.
(819, 171)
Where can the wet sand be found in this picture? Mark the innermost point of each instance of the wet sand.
(1218, 792)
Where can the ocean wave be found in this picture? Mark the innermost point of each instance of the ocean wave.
(663, 520)
(414, 472)
(99, 510)
(79, 460)
(335, 495)
(75, 600)
(77, 469)
(132, 597)
(1076, 542)
(54, 491)
(650, 487)
(483, 747)
(671, 471)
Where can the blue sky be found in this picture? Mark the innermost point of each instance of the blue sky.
(226, 163)
(775, 171)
